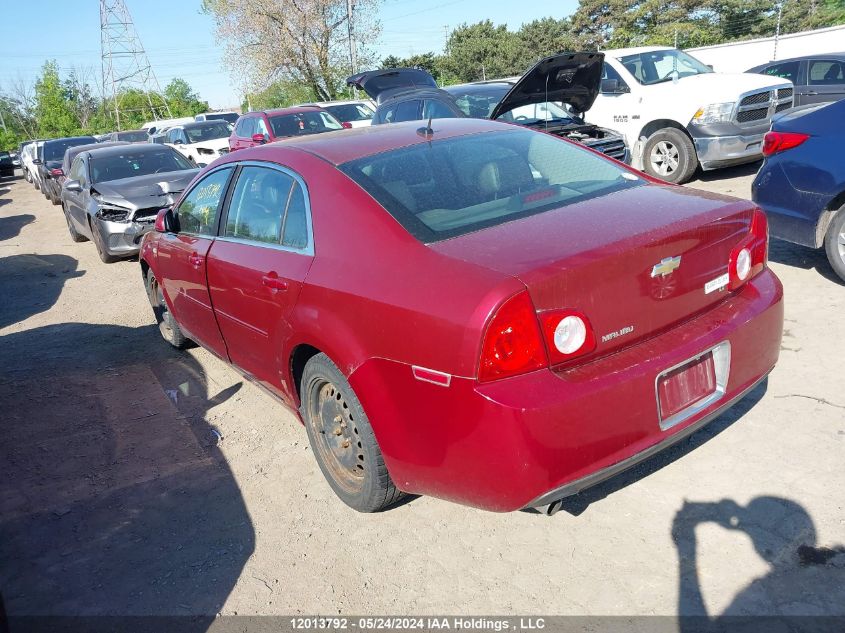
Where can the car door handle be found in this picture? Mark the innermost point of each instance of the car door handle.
(272, 281)
(811, 92)
(195, 260)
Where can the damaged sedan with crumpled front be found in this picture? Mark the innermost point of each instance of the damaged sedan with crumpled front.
(112, 194)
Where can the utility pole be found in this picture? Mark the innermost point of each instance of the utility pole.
(2, 120)
(353, 52)
(777, 32)
(124, 61)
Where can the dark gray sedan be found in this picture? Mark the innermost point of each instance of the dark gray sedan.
(112, 194)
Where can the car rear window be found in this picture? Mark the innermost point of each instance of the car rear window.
(136, 163)
(447, 188)
(351, 112)
(134, 136)
(303, 123)
(210, 131)
(55, 150)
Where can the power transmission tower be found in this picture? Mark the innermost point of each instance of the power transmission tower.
(125, 63)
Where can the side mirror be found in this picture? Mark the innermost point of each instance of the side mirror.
(710, 66)
(178, 141)
(166, 221)
(73, 185)
(612, 86)
(259, 138)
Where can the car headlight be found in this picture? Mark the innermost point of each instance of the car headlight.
(713, 113)
(112, 213)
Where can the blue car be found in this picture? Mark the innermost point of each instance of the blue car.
(801, 185)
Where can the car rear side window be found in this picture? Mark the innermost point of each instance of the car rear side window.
(442, 189)
(826, 72)
(199, 209)
(268, 206)
(245, 126)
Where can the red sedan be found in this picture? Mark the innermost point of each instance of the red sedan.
(477, 312)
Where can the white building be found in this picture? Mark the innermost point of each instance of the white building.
(737, 57)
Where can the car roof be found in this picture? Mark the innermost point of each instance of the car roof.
(76, 150)
(342, 146)
(836, 56)
(290, 110)
(478, 86)
(67, 138)
(622, 52)
(191, 126)
(113, 150)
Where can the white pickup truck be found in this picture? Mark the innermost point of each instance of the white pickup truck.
(677, 114)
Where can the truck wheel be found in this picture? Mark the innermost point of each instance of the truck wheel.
(75, 235)
(167, 325)
(342, 439)
(834, 243)
(670, 155)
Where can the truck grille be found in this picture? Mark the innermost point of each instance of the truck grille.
(613, 147)
(758, 107)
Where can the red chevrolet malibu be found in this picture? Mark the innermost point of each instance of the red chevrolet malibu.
(472, 310)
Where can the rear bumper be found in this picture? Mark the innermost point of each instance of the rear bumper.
(535, 438)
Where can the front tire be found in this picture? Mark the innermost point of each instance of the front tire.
(342, 439)
(834, 243)
(670, 155)
(167, 325)
(75, 235)
(105, 257)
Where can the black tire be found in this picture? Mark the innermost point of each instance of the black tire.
(342, 439)
(670, 155)
(26, 175)
(75, 235)
(834, 243)
(105, 257)
(167, 325)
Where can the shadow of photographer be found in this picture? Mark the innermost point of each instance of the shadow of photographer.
(804, 584)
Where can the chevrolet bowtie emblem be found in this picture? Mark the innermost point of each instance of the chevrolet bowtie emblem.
(666, 266)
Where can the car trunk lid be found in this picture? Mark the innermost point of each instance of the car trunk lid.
(635, 262)
(377, 83)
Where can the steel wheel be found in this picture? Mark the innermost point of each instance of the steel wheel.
(664, 158)
(167, 325)
(338, 439)
(342, 439)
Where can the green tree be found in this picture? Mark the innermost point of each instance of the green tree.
(433, 64)
(53, 108)
(482, 51)
(182, 100)
(544, 37)
(279, 94)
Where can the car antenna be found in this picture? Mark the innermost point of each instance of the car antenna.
(426, 131)
(546, 97)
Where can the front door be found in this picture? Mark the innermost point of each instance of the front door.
(257, 266)
(182, 260)
(76, 202)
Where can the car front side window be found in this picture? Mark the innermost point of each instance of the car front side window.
(198, 211)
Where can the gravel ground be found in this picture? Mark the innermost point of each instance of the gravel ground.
(137, 479)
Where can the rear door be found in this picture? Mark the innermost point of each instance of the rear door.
(182, 259)
(75, 202)
(257, 266)
(825, 80)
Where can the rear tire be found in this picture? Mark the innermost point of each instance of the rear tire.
(75, 235)
(670, 155)
(167, 325)
(834, 243)
(342, 439)
(105, 257)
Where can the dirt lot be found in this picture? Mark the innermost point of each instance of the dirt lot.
(118, 496)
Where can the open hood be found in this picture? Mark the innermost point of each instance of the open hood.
(377, 83)
(573, 78)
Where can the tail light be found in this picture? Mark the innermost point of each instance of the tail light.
(56, 173)
(751, 255)
(512, 343)
(347, 125)
(775, 142)
(568, 334)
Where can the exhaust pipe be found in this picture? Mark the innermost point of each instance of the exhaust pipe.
(553, 507)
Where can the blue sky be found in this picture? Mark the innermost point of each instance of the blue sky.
(180, 40)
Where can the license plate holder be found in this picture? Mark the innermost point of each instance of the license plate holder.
(689, 387)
